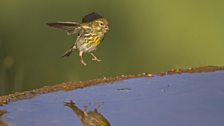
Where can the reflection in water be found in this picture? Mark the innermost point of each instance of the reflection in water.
(93, 118)
(2, 123)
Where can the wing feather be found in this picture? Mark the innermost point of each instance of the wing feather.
(69, 27)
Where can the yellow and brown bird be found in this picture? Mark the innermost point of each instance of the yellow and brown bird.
(90, 34)
(92, 118)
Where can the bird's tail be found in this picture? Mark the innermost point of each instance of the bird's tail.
(69, 51)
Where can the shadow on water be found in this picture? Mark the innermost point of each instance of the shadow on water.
(91, 118)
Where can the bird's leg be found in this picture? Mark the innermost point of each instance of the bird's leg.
(95, 58)
(81, 59)
(85, 109)
(86, 106)
(98, 105)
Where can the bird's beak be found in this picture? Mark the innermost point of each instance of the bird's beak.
(107, 28)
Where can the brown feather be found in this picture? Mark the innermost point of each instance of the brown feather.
(69, 27)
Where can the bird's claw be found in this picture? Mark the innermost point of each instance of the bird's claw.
(83, 62)
(95, 58)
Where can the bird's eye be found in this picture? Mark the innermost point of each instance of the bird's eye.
(101, 24)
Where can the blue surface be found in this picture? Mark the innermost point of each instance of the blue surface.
(173, 100)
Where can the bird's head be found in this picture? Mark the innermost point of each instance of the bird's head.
(101, 25)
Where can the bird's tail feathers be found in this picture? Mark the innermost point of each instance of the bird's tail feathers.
(69, 51)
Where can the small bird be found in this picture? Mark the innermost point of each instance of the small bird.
(92, 118)
(90, 34)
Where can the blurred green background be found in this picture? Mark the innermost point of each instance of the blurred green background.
(144, 36)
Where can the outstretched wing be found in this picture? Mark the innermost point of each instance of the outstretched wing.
(69, 27)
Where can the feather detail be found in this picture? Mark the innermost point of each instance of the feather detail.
(69, 27)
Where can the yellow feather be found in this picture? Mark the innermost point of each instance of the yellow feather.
(97, 41)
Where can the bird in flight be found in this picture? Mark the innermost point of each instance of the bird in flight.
(90, 32)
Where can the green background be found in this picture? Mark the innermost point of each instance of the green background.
(144, 36)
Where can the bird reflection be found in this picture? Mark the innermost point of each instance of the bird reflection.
(91, 118)
(2, 123)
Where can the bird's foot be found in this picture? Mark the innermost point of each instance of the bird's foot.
(99, 104)
(86, 107)
(95, 58)
(83, 62)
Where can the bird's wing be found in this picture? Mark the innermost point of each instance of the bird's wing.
(69, 27)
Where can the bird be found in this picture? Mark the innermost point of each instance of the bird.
(91, 32)
(92, 118)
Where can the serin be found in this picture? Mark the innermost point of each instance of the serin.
(90, 34)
